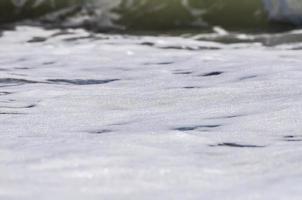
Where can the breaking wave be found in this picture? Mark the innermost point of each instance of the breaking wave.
(103, 15)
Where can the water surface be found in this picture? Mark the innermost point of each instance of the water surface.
(103, 116)
(200, 15)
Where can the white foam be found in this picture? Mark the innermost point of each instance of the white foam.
(166, 129)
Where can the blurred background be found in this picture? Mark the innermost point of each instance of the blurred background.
(156, 15)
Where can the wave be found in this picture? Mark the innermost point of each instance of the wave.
(284, 10)
(102, 15)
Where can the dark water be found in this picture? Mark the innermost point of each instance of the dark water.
(154, 15)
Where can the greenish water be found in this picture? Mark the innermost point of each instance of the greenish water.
(12, 12)
(141, 15)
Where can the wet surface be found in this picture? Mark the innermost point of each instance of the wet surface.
(248, 77)
(193, 128)
(81, 81)
(292, 138)
(235, 145)
(101, 131)
(212, 74)
(4, 81)
(131, 117)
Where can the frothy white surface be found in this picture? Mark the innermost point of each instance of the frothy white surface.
(176, 119)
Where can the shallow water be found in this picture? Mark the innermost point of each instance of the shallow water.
(97, 116)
